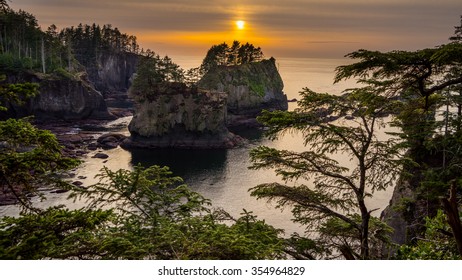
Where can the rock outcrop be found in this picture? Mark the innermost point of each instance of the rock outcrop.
(181, 117)
(251, 87)
(409, 205)
(64, 97)
(112, 71)
(111, 74)
(110, 140)
(398, 214)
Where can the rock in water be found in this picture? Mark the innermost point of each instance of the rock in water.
(177, 116)
(251, 87)
(110, 140)
(100, 155)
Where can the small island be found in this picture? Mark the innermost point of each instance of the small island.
(181, 117)
(173, 110)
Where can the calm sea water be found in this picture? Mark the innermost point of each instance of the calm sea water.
(223, 175)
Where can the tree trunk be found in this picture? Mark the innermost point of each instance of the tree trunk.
(69, 64)
(452, 212)
(347, 253)
(459, 112)
(43, 56)
(365, 217)
(1, 43)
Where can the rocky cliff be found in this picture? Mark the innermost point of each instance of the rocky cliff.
(112, 71)
(399, 213)
(62, 96)
(410, 205)
(181, 117)
(251, 87)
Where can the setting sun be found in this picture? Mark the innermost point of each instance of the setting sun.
(240, 24)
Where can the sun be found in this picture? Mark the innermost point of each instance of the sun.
(240, 24)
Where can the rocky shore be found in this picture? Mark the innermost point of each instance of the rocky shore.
(78, 139)
(176, 116)
(93, 138)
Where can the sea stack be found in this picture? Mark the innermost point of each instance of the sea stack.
(251, 87)
(179, 116)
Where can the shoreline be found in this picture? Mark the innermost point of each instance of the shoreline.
(101, 140)
(79, 140)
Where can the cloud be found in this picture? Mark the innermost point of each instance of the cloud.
(395, 24)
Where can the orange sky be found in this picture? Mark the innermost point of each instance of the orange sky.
(295, 28)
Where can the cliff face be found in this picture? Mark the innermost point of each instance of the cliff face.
(399, 214)
(250, 87)
(409, 207)
(178, 116)
(62, 97)
(112, 72)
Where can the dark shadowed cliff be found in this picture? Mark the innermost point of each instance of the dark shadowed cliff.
(61, 96)
(112, 71)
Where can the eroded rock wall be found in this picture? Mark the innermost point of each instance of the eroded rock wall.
(113, 71)
(250, 87)
(181, 117)
(62, 97)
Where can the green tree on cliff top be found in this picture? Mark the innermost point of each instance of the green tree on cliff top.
(152, 72)
(236, 54)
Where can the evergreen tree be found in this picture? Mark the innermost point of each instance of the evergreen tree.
(409, 85)
(23, 46)
(30, 157)
(139, 214)
(236, 54)
(152, 71)
(334, 206)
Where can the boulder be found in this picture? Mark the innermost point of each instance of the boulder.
(110, 140)
(100, 155)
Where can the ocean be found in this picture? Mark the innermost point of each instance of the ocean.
(223, 176)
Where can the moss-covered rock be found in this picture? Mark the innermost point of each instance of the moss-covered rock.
(177, 116)
(251, 87)
(61, 96)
